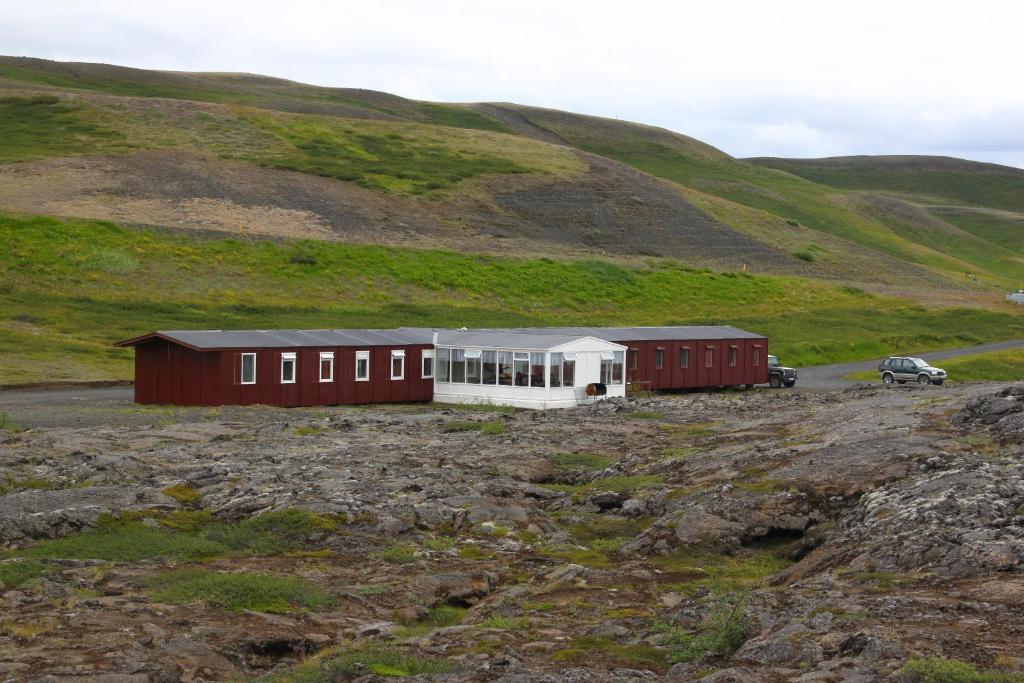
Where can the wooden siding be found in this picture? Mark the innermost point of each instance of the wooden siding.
(697, 374)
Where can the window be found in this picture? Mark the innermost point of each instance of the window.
(659, 359)
(732, 356)
(248, 368)
(473, 366)
(327, 366)
(490, 361)
(634, 355)
(427, 364)
(556, 370)
(537, 370)
(617, 367)
(569, 370)
(459, 365)
(521, 366)
(287, 368)
(443, 366)
(709, 356)
(505, 368)
(684, 357)
(756, 356)
(362, 366)
(398, 364)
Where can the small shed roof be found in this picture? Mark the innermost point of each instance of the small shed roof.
(512, 339)
(621, 334)
(202, 340)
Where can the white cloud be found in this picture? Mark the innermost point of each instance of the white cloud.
(790, 78)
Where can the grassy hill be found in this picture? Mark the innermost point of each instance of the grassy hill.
(236, 200)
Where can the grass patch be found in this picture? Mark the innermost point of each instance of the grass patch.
(494, 428)
(308, 431)
(60, 275)
(380, 660)
(29, 484)
(17, 573)
(441, 616)
(745, 570)
(441, 543)
(939, 670)
(581, 462)
(6, 423)
(187, 537)
(236, 592)
(617, 483)
(44, 125)
(644, 415)
(398, 554)
(584, 649)
(186, 495)
(392, 158)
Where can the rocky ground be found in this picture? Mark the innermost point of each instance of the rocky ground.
(753, 536)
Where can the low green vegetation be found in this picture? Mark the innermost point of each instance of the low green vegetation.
(720, 633)
(585, 649)
(44, 125)
(187, 537)
(615, 483)
(381, 660)
(698, 570)
(992, 366)
(17, 573)
(387, 157)
(184, 494)
(236, 592)
(441, 543)
(492, 428)
(644, 415)
(65, 296)
(939, 670)
(398, 554)
(29, 484)
(581, 462)
(442, 615)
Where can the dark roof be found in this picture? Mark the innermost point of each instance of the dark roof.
(542, 337)
(506, 339)
(260, 339)
(624, 334)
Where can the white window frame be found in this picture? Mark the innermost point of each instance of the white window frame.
(363, 355)
(400, 355)
(285, 357)
(427, 354)
(241, 369)
(326, 355)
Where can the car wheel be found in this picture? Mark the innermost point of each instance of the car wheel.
(924, 379)
(938, 382)
(788, 385)
(887, 378)
(774, 382)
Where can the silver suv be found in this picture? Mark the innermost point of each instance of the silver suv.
(901, 369)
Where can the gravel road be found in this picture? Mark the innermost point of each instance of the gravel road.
(830, 377)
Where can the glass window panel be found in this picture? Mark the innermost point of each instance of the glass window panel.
(442, 365)
(732, 356)
(537, 378)
(617, 367)
(659, 358)
(288, 368)
(490, 371)
(458, 365)
(248, 368)
(556, 370)
(473, 370)
(684, 358)
(606, 371)
(634, 359)
(521, 367)
(569, 373)
(505, 371)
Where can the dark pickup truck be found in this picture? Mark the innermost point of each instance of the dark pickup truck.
(779, 375)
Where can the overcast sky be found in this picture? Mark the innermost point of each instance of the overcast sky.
(783, 78)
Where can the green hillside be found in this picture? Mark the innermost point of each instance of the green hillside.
(930, 180)
(421, 213)
(69, 289)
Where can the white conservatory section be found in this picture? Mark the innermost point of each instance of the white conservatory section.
(525, 371)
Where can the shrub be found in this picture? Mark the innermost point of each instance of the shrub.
(805, 255)
(722, 631)
(380, 660)
(183, 494)
(441, 543)
(236, 592)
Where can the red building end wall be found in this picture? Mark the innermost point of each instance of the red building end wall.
(169, 373)
(698, 373)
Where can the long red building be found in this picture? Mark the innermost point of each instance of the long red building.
(326, 367)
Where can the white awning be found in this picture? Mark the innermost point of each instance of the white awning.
(607, 355)
(571, 355)
(398, 354)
